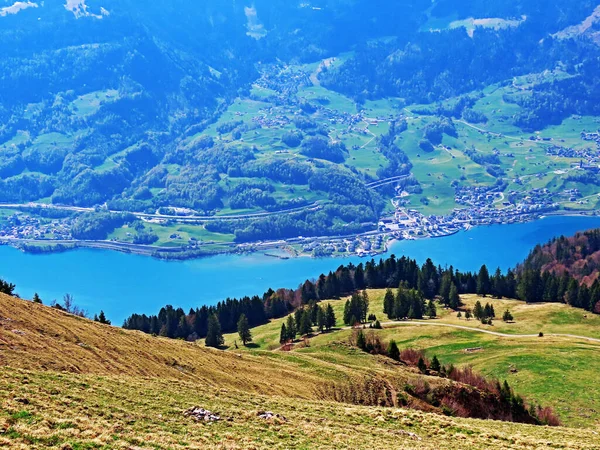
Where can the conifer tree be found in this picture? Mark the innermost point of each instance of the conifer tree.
(393, 351)
(283, 335)
(487, 311)
(388, 303)
(445, 288)
(364, 305)
(483, 281)
(291, 328)
(102, 318)
(431, 310)
(435, 364)
(422, 366)
(497, 284)
(182, 330)
(214, 336)
(244, 330)
(305, 324)
(468, 314)
(37, 299)
(459, 315)
(361, 341)
(454, 297)
(321, 319)
(478, 312)
(507, 316)
(572, 292)
(330, 317)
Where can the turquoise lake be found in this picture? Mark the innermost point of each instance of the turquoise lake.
(121, 284)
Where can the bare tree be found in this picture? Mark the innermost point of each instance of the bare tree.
(69, 306)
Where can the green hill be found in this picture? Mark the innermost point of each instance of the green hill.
(543, 369)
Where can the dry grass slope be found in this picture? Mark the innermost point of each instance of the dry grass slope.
(67, 382)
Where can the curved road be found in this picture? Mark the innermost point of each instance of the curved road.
(493, 333)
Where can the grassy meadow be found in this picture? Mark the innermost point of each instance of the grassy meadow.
(68, 382)
(552, 370)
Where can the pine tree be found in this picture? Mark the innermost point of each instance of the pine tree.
(305, 324)
(214, 336)
(507, 316)
(393, 351)
(454, 297)
(572, 292)
(388, 304)
(431, 310)
(445, 288)
(102, 318)
(283, 335)
(182, 330)
(298, 318)
(361, 341)
(244, 330)
(330, 318)
(422, 366)
(498, 287)
(435, 364)
(364, 305)
(478, 312)
(37, 299)
(468, 314)
(291, 328)
(483, 281)
(321, 319)
(487, 311)
(459, 315)
(359, 277)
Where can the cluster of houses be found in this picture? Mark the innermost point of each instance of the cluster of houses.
(586, 154)
(369, 245)
(283, 79)
(22, 226)
(477, 196)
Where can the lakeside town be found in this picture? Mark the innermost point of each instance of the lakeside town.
(479, 207)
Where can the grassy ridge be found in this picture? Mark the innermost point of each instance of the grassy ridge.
(71, 383)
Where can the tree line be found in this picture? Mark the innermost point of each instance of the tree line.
(418, 282)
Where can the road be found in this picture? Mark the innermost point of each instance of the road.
(493, 333)
(186, 219)
(383, 182)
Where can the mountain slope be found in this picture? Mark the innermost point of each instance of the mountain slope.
(578, 256)
(69, 381)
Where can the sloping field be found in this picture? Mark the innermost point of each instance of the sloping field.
(68, 382)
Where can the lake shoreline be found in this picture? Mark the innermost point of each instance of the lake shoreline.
(36, 247)
(124, 283)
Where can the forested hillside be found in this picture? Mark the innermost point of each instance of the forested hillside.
(324, 111)
(577, 256)
(517, 38)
